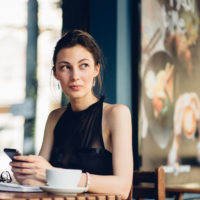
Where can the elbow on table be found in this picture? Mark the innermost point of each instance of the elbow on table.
(124, 191)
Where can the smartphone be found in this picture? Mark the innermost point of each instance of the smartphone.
(11, 153)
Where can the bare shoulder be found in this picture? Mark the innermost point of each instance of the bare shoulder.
(56, 114)
(112, 110)
(117, 120)
(116, 115)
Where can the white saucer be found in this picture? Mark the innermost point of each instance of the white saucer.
(63, 191)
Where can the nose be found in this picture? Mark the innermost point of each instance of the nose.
(75, 74)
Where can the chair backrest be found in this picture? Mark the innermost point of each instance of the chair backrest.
(149, 184)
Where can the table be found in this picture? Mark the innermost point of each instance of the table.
(177, 191)
(47, 196)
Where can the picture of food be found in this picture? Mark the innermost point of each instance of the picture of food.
(182, 49)
(158, 95)
(159, 88)
(182, 34)
(169, 112)
(186, 121)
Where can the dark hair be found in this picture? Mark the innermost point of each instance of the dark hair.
(79, 37)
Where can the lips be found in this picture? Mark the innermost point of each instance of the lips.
(75, 87)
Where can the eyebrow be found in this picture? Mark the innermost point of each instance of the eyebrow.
(84, 59)
(66, 62)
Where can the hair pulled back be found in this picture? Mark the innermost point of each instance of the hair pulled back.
(79, 37)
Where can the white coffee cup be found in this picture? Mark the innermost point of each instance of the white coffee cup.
(63, 178)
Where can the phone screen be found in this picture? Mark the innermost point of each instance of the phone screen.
(11, 153)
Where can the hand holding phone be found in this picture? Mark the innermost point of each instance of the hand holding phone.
(11, 153)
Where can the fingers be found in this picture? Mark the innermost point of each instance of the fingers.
(38, 160)
(29, 158)
(23, 171)
(27, 175)
(22, 165)
(31, 171)
(21, 177)
(32, 167)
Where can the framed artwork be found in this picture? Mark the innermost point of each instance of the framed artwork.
(169, 113)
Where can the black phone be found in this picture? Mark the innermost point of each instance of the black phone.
(11, 153)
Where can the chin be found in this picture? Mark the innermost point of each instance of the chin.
(75, 95)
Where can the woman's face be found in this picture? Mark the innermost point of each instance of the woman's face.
(76, 69)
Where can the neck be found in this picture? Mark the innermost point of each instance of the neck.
(83, 103)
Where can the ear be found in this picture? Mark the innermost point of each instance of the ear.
(54, 72)
(96, 70)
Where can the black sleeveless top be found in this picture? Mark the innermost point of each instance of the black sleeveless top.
(78, 141)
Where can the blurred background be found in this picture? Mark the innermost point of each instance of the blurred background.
(28, 33)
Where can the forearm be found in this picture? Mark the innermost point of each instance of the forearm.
(107, 184)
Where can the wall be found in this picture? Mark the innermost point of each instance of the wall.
(103, 28)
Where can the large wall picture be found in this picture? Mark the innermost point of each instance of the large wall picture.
(169, 117)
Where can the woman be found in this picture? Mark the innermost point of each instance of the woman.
(88, 133)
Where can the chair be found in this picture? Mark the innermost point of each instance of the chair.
(149, 184)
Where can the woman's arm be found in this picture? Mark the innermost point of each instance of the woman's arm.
(52, 120)
(32, 170)
(119, 121)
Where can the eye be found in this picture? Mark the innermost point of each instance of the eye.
(65, 67)
(83, 66)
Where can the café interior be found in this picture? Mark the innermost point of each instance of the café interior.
(151, 52)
